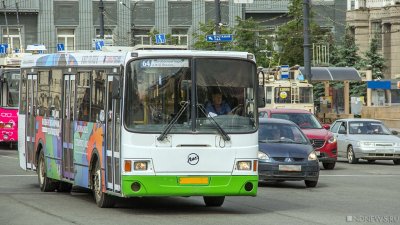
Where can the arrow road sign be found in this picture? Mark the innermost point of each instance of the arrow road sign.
(219, 38)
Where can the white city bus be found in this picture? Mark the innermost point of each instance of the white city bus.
(131, 124)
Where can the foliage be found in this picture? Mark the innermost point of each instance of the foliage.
(207, 29)
(290, 36)
(374, 59)
(248, 37)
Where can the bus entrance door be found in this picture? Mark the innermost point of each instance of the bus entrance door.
(113, 122)
(30, 121)
(68, 126)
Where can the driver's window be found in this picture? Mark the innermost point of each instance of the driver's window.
(342, 128)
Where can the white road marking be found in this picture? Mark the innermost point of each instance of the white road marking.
(9, 157)
(360, 175)
(17, 175)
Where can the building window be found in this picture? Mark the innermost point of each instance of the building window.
(12, 39)
(108, 36)
(141, 36)
(376, 29)
(66, 37)
(179, 36)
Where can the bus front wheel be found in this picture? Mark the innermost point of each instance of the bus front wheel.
(103, 200)
(45, 183)
(214, 201)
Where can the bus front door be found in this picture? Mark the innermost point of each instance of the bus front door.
(68, 127)
(31, 90)
(113, 124)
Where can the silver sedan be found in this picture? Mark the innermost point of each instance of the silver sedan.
(367, 139)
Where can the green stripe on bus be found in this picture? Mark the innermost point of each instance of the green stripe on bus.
(169, 186)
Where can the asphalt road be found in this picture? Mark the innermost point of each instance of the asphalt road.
(349, 194)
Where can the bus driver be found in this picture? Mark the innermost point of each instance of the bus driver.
(217, 106)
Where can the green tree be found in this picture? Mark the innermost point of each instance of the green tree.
(249, 37)
(374, 59)
(290, 35)
(207, 29)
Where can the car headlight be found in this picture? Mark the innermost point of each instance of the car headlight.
(396, 144)
(312, 156)
(332, 139)
(262, 156)
(366, 144)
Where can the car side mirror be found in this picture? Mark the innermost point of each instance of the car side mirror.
(394, 132)
(342, 131)
(326, 126)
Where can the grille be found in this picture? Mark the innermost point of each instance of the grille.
(284, 159)
(317, 143)
(383, 144)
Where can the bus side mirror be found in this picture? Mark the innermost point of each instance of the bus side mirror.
(261, 97)
(116, 88)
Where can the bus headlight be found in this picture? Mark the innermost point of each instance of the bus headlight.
(140, 165)
(243, 165)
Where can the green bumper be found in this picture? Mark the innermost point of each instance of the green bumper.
(170, 186)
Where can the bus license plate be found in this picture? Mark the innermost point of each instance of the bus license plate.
(193, 180)
(290, 168)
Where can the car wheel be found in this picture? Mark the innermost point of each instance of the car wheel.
(214, 201)
(329, 166)
(45, 183)
(396, 161)
(103, 200)
(351, 156)
(371, 161)
(311, 183)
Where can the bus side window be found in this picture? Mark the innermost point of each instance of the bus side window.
(83, 96)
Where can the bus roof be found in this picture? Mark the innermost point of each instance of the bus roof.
(90, 58)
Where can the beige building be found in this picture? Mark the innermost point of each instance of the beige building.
(367, 18)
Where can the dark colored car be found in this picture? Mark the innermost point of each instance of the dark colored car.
(321, 138)
(285, 153)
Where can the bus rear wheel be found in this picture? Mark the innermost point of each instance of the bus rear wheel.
(45, 183)
(102, 199)
(214, 201)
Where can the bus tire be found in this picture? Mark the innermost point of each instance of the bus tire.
(102, 199)
(45, 183)
(214, 201)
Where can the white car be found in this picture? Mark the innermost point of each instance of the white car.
(366, 139)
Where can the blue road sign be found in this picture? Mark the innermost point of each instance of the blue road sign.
(60, 47)
(3, 48)
(285, 72)
(160, 38)
(99, 44)
(219, 38)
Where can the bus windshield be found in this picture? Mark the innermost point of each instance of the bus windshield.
(181, 94)
(11, 78)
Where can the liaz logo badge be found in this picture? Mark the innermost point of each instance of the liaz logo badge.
(193, 159)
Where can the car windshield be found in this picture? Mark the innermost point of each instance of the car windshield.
(368, 127)
(303, 120)
(280, 132)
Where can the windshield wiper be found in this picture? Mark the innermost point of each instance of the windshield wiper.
(221, 131)
(173, 121)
